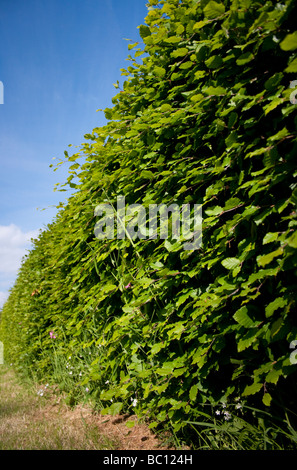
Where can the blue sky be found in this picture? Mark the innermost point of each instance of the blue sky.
(58, 62)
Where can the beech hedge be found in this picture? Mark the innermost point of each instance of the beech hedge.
(206, 115)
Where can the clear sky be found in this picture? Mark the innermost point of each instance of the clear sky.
(58, 62)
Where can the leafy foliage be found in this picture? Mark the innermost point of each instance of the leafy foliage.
(205, 117)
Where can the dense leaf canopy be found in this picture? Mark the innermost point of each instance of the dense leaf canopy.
(207, 115)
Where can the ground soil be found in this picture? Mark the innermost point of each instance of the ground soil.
(31, 421)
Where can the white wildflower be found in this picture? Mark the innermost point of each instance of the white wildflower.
(227, 416)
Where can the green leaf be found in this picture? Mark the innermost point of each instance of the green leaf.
(276, 326)
(144, 31)
(213, 9)
(277, 303)
(231, 139)
(279, 135)
(231, 263)
(247, 340)
(197, 26)
(215, 91)
(273, 81)
(107, 394)
(292, 241)
(181, 52)
(173, 40)
(233, 117)
(216, 210)
(115, 408)
(193, 392)
(242, 317)
(270, 237)
(167, 368)
(273, 376)
(147, 174)
(159, 71)
(292, 67)
(197, 97)
(263, 260)
(182, 371)
(186, 65)
(214, 62)
(267, 399)
(199, 74)
(272, 105)
(290, 42)
(294, 197)
(245, 58)
(252, 389)
(157, 347)
(176, 331)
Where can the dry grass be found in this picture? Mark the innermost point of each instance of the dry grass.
(32, 422)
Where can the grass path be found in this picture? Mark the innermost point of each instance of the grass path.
(32, 421)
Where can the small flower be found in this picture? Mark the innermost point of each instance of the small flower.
(128, 285)
(87, 389)
(107, 382)
(227, 416)
(134, 401)
(52, 335)
(218, 412)
(238, 406)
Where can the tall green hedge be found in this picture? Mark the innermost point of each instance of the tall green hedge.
(207, 115)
